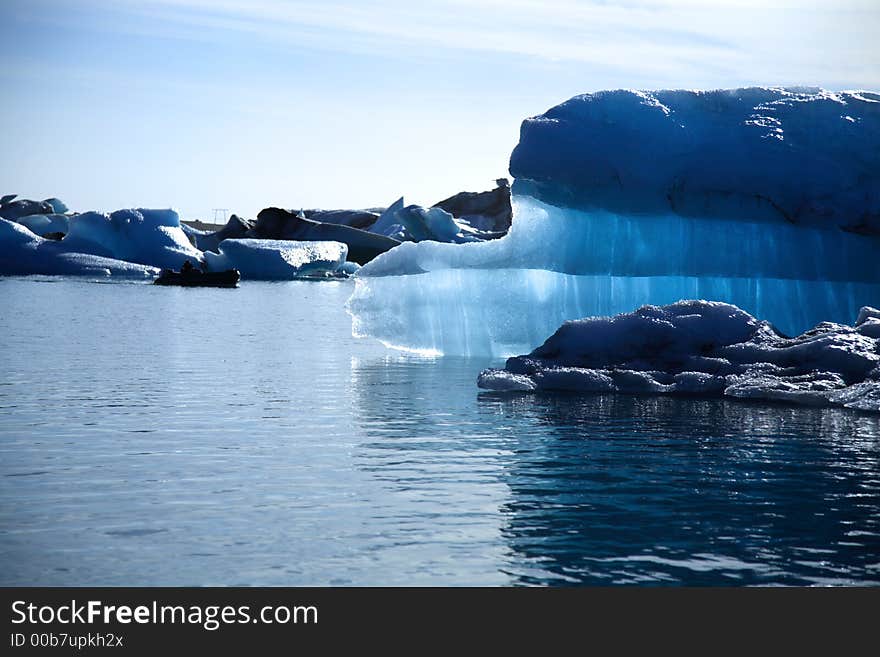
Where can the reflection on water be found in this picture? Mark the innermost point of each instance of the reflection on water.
(624, 489)
(636, 489)
(152, 436)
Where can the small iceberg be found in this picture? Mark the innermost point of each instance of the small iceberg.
(707, 348)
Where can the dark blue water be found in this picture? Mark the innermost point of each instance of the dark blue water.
(155, 436)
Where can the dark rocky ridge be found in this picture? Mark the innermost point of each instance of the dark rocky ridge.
(490, 211)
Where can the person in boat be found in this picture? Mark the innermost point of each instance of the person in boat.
(188, 268)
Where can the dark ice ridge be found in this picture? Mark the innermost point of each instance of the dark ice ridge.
(704, 348)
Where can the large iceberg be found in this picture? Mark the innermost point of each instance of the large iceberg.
(22, 252)
(278, 259)
(709, 348)
(768, 199)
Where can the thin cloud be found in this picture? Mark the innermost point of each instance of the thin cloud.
(788, 41)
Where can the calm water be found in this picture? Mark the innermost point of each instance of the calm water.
(156, 436)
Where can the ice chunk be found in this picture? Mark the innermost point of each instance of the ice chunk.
(416, 224)
(388, 224)
(870, 327)
(145, 236)
(439, 224)
(277, 259)
(464, 217)
(623, 199)
(349, 268)
(14, 210)
(23, 253)
(58, 206)
(503, 381)
(40, 224)
(866, 313)
(700, 347)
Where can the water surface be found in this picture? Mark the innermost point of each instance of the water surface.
(166, 436)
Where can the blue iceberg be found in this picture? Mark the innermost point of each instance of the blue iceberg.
(23, 253)
(144, 236)
(768, 199)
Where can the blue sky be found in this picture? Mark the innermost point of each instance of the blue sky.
(198, 104)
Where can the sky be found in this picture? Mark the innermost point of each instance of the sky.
(244, 104)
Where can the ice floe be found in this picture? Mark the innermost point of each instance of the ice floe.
(704, 347)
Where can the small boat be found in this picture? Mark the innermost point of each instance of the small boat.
(193, 277)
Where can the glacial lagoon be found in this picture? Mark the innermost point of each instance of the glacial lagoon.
(154, 436)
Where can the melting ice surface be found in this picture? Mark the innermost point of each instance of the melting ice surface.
(764, 198)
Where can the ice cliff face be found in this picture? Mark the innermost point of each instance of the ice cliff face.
(765, 198)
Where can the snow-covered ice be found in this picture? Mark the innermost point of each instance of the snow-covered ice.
(630, 198)
(702, 347)
(277, 259)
